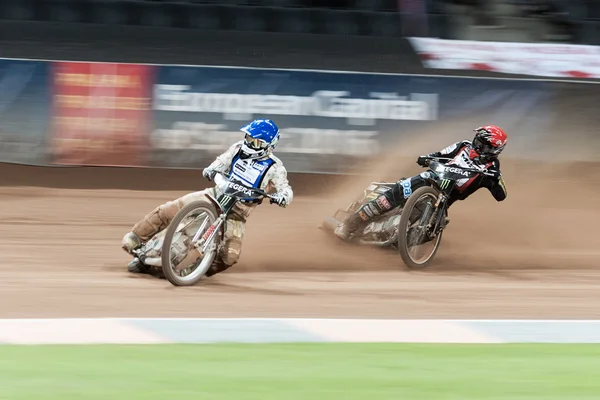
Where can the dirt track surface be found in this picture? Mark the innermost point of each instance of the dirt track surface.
(533, 256)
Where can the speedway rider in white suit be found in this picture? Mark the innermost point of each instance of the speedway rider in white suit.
(250, 161)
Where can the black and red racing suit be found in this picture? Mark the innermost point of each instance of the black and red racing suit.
(461, 154)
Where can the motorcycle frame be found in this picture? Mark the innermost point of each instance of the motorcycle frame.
(223, 205)
(437, 212)
(434, 216)
(440, 206)
(393, 238)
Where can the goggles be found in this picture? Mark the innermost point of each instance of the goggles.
(255, 144)
(486, 148)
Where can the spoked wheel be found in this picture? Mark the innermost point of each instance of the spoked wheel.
(182, 263)
(416, 248)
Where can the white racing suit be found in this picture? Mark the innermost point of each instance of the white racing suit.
(267, 174)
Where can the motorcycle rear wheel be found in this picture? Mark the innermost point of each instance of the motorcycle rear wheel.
(420, 195)
(198, 268)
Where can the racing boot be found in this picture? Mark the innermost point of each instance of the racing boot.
(136, 266)
(361, 217)
(216, 267)
(348, 227)
(130, 242)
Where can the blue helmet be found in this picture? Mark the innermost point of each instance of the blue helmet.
(261, 138)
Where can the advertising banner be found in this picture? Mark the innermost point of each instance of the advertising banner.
(101, 113)
(71, 113)
(328, 120)
(24, 111)
(539, 59)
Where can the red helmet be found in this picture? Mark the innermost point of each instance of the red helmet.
(489, 141)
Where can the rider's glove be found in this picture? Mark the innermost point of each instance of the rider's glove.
(278, 199)
(423, 161)
(209, 173)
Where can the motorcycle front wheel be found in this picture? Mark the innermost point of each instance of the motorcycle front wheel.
(191, 221)
(416, 248)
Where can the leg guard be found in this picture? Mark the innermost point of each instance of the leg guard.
(231, 247)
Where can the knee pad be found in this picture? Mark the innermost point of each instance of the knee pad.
(230, 251)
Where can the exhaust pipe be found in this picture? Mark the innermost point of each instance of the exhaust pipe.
(154, 261)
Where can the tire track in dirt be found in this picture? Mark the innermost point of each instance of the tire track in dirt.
(527, 257)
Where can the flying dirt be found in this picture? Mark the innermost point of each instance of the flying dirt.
(534, 255)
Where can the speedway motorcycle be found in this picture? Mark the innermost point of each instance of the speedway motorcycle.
(415, 230)
(187, 248)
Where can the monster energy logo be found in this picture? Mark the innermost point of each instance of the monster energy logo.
(445, 183)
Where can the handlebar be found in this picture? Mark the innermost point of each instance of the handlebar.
(219, 176)
(474, 170)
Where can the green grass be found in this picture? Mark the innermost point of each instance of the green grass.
(301, 371)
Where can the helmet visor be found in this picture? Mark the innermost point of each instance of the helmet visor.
(255, 144)
(485, 148)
